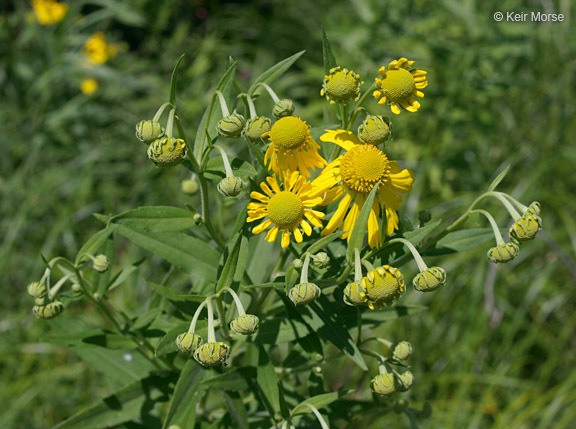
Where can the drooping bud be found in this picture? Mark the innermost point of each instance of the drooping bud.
(231, 186)
(429, 280)
(211, 354)
(384, 285)
(341, 86)
(374, 130)
(297, 263)
(147, 131)
(167, 151)
(255, 127)
(384, 384)
(406, 381)
(533, 209)
(402, 351)
(231, 125)
(355, 294)
(189, 186)
(321, 260)
(525, 228)
(283, 108)
(48, 311)
(187, 342)
(198, 219)
(100, 263)
(245, 325)
(37, 290)
(304, 293)
(503, 253)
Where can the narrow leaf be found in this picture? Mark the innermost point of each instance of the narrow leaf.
(417, 236)
(324, 241)
(226, 276)
(360, 227)
(174, 296)
(498, 179)
(318, 401)
(173, 80)
(274, 73)
(95, 242)
(187, 393)
(268, 382)
(460, 241)
(327, 54)
(156, 219)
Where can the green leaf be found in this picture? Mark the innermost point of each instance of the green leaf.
(187, 393)
(281, 330)
(389, 313)
(235, 380)
(156, 219)
(324, 241)
(498, 179)
(318, 401)
(226, 276)
(173, 80)
(123, 275)
(236, 409)
(268, 383)
(273, 73)
(357, 235)
(188, 253)
(213, 113)
(327, 54)
(292, 276)
(95, 242)
(418, 235)
(277, 285)
(460, 241)
(215, 168)
(243, 259)
(174, 296)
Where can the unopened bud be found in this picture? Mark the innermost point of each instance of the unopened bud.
(354, 294)
(167, 151)
(100, 263)
(383, 384)
(374, 130)
(533, 209)
(189, 187)
(255, 127)
(48, 311)
(384, 285)
(341, 86)
(147, 131)
(297, 263)
(211, 354)
(430, 279)
(198, 219)
(231, 186)
(245, 325)
(402, 351)
(37, 290)
(231, 125)
(503, 253)
(283, 108)
(304, 293)
(187, 342)
(525, 228)
(406, 381)
(321, 260)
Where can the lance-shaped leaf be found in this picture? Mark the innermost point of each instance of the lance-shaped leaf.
(498, 179)
(327, 54)
(188, 391)
(359, 231)
(273, 73)
(156, 219)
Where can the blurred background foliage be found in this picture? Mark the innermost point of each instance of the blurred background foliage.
(496, 347)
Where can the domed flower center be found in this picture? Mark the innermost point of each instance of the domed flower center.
(398, 84)
(285, 208)
(289, 133)
(363, 166)
(342, 85)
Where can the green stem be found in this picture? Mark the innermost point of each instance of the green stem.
(304, 272)
(223, 106)
(419, 261)
(270, 91)
(211, 332)
(365, 95)
(170, 123)
(225, 160)
(222, 316)
(192, 327)
(493, 224)
(236, 298)
(160, 111)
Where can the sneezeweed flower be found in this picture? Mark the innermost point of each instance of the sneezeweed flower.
(255, 128)
(211, 354)
(320, 260)
(383, 286)
(304, 293)
(352, 176)
(37, 290)
(48, 311)
(384, 384)
(406, 381)
(355, 294)
(100, 263)
(525, 228)
(231, 186)
(149, 130)
(374, 130)
(503, 252)
(402, 351)
(97, 50)
(288, 210)
(187, 342)
(167, 151)
(341, 86)
(399, 86)
(292, 148)
(430, 279)
(89, 86)
(282, 108)
(245, 324)
(48, 12)
(231, 125)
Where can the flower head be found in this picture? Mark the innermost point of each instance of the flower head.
(255, 128)
(430, 279)
(231, 125)
(48, 12)
(292, 148)
(89, 86)
(187, 342)
(167, 151)
(383, 384)
(355, 294)
(384, 285)
(97, 50)
(149, 130)
(211, 354)
(374, 130)
(525, 228)
(341, 86)
(246, 324)
(399, 85)
(286, 209)
(352, 176)
(503, 253)
(304, 293)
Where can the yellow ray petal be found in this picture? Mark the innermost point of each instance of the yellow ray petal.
(401, 180)
(271, 236)
(338, 216)
(395, 109)
(314, 220)
(374, 237)
(254, 216)
(345, 139)
(266, 189)
(297, 234)
(260, 197)
(258, 229)
(306, 227)
(273, 183)
(285, 238)
(352, 216)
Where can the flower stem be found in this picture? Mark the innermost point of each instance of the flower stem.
(225, 160)
(419, 261)
(223, 106)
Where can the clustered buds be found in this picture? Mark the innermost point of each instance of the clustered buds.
(429, 279)
(231, 186)
(374, 130)
(304, 293)
(503, 252)
(167, 151)
(231, 125)
(149, 130)
(245, 325)
(320, 260)
(211, 354)
(283, 108)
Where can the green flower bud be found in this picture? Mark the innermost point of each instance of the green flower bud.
(383, 384)
(341, 86)
(374, 130)
(384, 285)
(37, 290)
(525, 228)
(76, 288)
(187, 342)
(283, 108)
(147, 131)
(355, 294)
(297, 263)
(231, 186)
(533, 209)
(429, 280)
(304, 293)
(189, 187)
(198, 219)
(100, 263)
(231, 125)
(167, 151)
(245, 325)
(49, 311)
(321, 260)
(402, 351)
(424, 217)
(406, 381)
(211, 354)
(42, 301)
(503, 253)
(255, 127)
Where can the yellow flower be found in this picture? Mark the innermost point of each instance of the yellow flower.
(285, 209)
(89, 86)
(48, 12)
(341, 86)
(292, 148)
(352, 176)
(399, 85)
(97, 50)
